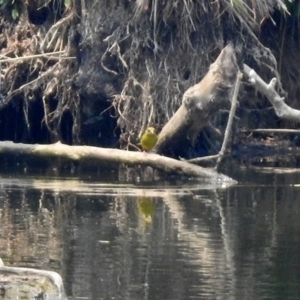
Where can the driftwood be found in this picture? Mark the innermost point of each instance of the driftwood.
(282, 110)
(27, 283)
(200, 102)
(111, 157)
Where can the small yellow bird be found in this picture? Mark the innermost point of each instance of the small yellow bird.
(148, 139)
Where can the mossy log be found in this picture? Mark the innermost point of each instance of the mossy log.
(111, 158)
(200, 102)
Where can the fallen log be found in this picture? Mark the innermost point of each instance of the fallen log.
(111, 158)
(199, 103)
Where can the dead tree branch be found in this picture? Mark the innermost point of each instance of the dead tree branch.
(230, 120)
(282, 110)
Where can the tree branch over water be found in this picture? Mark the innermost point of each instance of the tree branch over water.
(282, 110)
(112, 158)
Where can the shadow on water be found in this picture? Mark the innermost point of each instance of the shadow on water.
(180, 241)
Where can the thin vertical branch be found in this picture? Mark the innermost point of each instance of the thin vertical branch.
(230, 120)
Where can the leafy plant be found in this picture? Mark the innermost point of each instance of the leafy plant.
(10, 5)
(68, 3)
(15, 13)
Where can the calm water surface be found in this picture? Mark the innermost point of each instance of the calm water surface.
(179, 241)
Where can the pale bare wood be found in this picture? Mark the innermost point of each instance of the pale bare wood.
(112, 157)
(204, 159)
(282, 110)
(200, 102)
(272, 130)
(4, 59)
(230, 121)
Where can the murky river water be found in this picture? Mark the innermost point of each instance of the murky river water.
(180, 241)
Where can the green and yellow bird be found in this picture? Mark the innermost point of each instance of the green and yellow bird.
(148, 139)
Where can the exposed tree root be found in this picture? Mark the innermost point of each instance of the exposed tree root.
(34, 84)
(54, 39)
(29, 75)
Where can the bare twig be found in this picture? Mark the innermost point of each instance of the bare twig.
(230, 120)
(272, 130)
(282, 110)
(203, 159)
(55, 32)
(102, 63)
(40, 79)
(6, 59)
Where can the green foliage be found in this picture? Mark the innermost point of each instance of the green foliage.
(67, 3)
(11, 6)
(15, 13)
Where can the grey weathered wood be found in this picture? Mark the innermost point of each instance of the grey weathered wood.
(111, 157)
(282, 110)
(200, 102)
(230, 121)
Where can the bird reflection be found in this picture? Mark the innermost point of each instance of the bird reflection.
(146, 209)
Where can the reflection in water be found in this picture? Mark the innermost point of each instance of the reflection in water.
(188, 242)
(146, 209)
